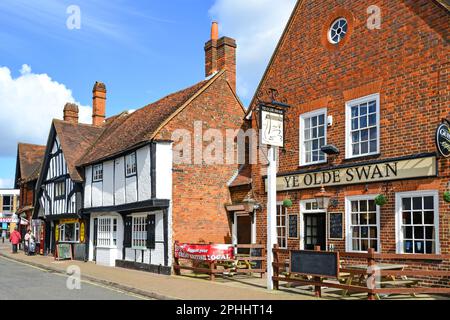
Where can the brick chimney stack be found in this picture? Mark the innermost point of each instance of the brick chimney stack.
(98, 104)
(220, 54)
(71, 113)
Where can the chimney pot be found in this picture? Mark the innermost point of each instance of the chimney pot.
(71, 113)
(98, 104)
(215, 31)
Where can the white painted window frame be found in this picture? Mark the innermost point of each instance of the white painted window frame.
(62, 231)
(138, 216)
(97, 175)
(348, 125)
(302, 149)
(11, 203)
(280, 205)
(398, 217)
(111, 237)
(133, 165)
(348, 219)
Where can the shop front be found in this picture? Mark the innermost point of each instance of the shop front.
(70, 231)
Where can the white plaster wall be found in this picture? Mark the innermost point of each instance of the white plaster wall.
(143, 174)
(131, 190)
(119, 181)
(87, 187)
(108, 183)
(164, 159)
(97, 194)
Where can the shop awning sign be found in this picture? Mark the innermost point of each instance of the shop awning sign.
(443, 139)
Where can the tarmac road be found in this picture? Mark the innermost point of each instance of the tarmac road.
(23, 282)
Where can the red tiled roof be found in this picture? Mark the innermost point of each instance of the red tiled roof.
(243, 177)
(75, 139)
(30, 160)
(126, 131)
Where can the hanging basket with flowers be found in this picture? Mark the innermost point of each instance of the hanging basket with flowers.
(380, 200)
(287, 203)
(447, 196)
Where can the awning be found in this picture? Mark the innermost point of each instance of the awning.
(24, 222)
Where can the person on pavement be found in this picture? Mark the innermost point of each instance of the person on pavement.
(15, 239)
(27, 239)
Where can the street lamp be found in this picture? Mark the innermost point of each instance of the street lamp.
(323, 199)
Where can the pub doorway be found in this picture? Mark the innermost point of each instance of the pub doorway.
(313, 228)
(243, 230)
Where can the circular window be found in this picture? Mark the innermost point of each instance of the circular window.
(338, 30)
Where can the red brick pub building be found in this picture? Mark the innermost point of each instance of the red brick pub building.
(367, 80)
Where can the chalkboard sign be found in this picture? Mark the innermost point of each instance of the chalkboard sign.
(335, 225)
(79, 252)
(64, 251)
(293, 226)
(256, 252)
(315, 263)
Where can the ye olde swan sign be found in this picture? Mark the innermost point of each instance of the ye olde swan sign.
(417, 167)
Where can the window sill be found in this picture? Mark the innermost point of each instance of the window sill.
(139, 248)
(106, 247)
(305, 165)
(362, 158)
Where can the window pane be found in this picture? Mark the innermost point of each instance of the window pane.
(428, 217)
(364, 135)
(364, 147)
(406, 217)
(430, 247)
(355, 124)
(429, 233)
(408, 247)
(417, 203)
(406, 202)
(355, 149)
(355, 207)
(428, 203)
(372, 205)
(419, 247)
(321, 119)
(373, 119)
(363, 122)
(314, 121)
(417, 217)
(355, 112)
(363, 109)
(355, 137)
(418, 233)
(373, 146)
(372, 106)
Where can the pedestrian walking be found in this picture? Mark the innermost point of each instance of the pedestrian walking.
(3, 236)
(15, 239)
(27, 239)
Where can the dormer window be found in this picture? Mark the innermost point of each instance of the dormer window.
(130, 164)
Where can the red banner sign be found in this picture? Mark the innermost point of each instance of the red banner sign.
(204, 252)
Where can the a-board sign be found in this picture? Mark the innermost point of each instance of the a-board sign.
(64, 251)
(315, 263)
(335, 225)
(293, 226)
(256, 252)
(79, 251)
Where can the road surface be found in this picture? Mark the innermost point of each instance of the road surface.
(19, 281)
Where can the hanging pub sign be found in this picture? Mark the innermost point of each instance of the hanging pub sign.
(272, 126)
(443, 139)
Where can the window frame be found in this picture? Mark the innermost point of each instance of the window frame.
(280, 205)
(63, 194)
(302, 153)
(144, 246)
(399, 239)
(134, 156)
(348, 222)
(62, 231)
(348, 128)
(94, 177)
(112, 235)
(11, 203)
(330, 28)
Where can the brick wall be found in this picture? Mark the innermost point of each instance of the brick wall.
(406, 62)
(200, 191)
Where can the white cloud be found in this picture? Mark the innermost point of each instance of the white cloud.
(6, 183)
(257, 26)
(28, 104)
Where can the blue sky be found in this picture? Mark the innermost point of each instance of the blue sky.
(142, 50)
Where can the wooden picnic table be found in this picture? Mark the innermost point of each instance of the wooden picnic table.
(390, 280)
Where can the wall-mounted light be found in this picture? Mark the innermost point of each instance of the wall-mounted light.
(323, 199)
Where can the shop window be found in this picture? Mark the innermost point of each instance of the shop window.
(69, 232)
(313, 136)
(363, 224)
(107, 232)
(282, 226)
(363, 126)
(97, 173)
(8, 203)
(418, 222)
(130, 164)
(139, 233)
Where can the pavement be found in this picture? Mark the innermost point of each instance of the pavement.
(156, 286)
(187, 287)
